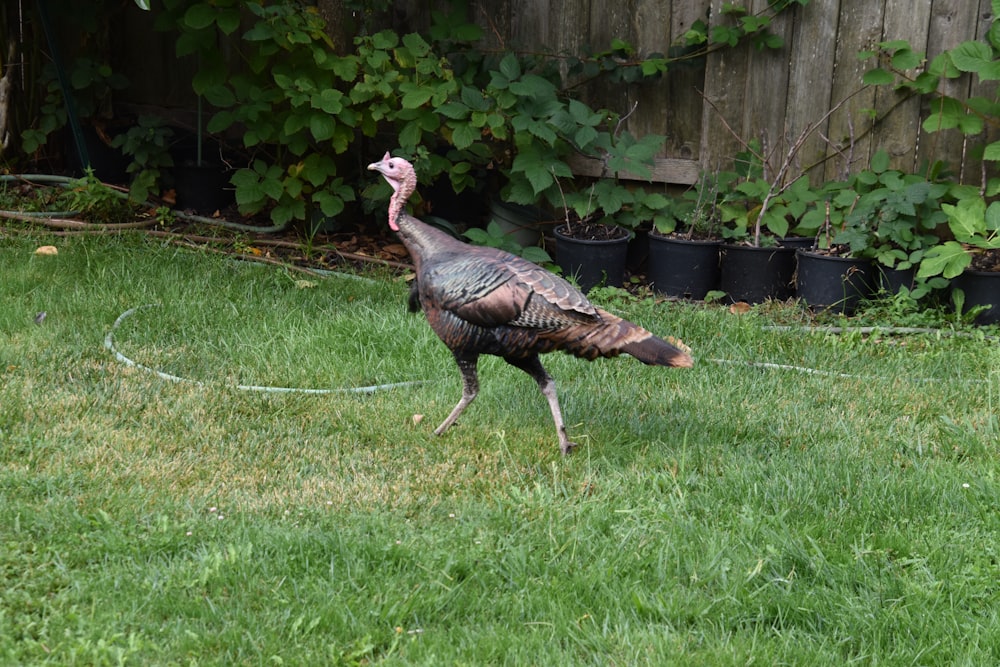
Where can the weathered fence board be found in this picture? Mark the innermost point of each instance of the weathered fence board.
(850, 128)
(767, 94)
(899, 128)
(725, 91)
(808, 94)
(810, 82)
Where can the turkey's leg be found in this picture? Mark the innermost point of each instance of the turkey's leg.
(533, 367)
(470, 387)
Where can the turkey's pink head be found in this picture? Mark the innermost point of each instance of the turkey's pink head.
(400, 175)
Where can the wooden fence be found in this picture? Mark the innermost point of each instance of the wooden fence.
(810, 91)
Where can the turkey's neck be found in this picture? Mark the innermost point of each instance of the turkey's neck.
(422, 240)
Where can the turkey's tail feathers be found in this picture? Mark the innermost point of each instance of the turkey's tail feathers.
(613, 335)
(658, 352)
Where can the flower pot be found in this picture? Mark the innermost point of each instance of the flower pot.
(202, 188)
(892, 280)
(592, 262)
(828, 282)
(804, 242)
(981, 288)
(682, 267)
(519, 223)
(753, 275)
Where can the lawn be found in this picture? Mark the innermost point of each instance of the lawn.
(728, 514)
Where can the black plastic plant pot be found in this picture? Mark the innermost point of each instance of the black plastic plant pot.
(754, 275)
(839, 284)
(981, 288)
(204, 189)
(683, 268)
(592, 263)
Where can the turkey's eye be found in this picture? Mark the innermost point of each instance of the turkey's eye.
(392, 166)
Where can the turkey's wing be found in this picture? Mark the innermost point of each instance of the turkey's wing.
(498, 288)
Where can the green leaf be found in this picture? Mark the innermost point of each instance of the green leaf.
(948, 259)
(536, 255)
(331, 205)
(416, 44)
(415, 96)
(322, 126)
(971, 56)
(946, 115)
(722, 34)
(967, 219)
(464, 136)
(385, 40)
(534, 86)
(880, 161)
(330, 101)
(970, 124)
(220, 96)
(228, 20)
(410, 135)
(510, 67)
(776, 223)
(993, 217)
(474, 98)
(220, 122)
(904, 58)
(454, 111)
(199, 16)
(877, 77)
(533, 167)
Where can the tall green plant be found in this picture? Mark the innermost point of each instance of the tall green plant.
(301, 103)
(973, 221)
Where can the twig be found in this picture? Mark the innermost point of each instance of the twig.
(64, 223)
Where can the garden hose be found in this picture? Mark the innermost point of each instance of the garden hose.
(109, 344)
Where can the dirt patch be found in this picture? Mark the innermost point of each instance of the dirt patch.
(592, 231)
(986, 260)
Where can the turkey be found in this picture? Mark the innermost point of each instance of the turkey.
(481, 300)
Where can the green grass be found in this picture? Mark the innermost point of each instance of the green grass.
(728, 514)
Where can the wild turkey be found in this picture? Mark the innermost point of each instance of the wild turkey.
(481, 300)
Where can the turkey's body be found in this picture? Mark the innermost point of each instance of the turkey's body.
(481, 300)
